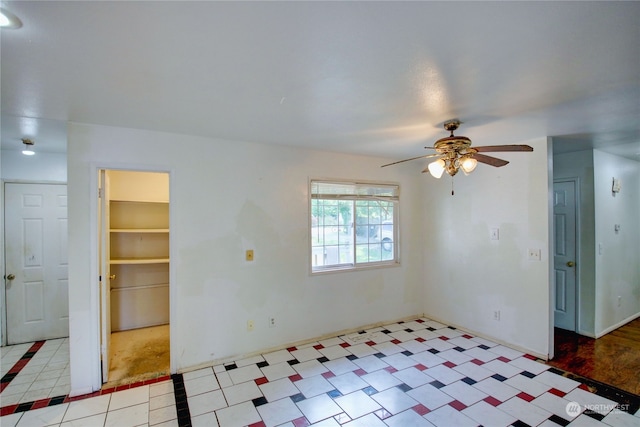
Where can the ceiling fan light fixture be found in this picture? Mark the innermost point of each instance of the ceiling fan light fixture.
(468, 164)
(9, 20)
(436, 169)
(28, 147)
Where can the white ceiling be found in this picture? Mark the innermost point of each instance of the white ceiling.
(375, 78)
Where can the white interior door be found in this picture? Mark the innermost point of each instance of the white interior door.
(36, 262)
(105, 274)
(564, 257)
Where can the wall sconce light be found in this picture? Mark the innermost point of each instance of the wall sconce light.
(28, 147)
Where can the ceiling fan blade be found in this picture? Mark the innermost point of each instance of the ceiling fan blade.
(413, 158)
(493, 161)
(495, 148)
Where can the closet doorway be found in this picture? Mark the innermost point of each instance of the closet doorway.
(134, 275)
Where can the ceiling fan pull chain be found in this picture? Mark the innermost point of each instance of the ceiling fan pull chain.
(452, 193)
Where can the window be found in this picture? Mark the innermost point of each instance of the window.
(353, 225)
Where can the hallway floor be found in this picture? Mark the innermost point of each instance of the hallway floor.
(416, 373)
(613, 359)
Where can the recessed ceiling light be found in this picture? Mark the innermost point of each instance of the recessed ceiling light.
(9, 20)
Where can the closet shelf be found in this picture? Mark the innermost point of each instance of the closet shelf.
(132, 261)
(139, 230)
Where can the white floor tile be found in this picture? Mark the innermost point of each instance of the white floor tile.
(527, 385)
(206, 402)
(202, 384)
(334, 352)
(278, 412)
(488, 415)
(444, 374)
(278, 357)
(428, 359)
(366, 421)
(306, 354)
(129, 416)
(497, 389)
(93, 421)
(502, 368)
(161, 388)
(51, 415)
(407, 418)
(130, 397)
(399, 361)
(196, 374)
(319, 408)
(340, 366)
(310, 368)
(277, 371)
(348, 383)
(621, 419)
(557, 381)
(370, 363)
(529, 365)
(463, 393)
(87, 407)
(314, 386)
(430, 397)
(279, 389)
(394, 400)
(381, 380)
(591, 401)
(357, 404)
(162, 401)
(241, 393)
(238, 415)
(161, 415)
(473, 371)
(244, 374)
(12, 419)
(205, 420)
(446, 416)
(524, 411)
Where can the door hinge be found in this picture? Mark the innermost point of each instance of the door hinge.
(100, 193)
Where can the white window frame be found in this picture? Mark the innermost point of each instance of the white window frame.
(327, 189)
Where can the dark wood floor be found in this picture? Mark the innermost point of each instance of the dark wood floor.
(613, 359)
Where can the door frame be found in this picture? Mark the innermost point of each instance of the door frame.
(577, 185)
(3, 261)
(95, 265)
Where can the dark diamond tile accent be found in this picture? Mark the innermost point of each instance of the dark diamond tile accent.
(527, 374)
(352, 357)
(24, 407)
(407, 353)
(57, 400)
(484, 347)
(556, 371)
(498, 377)
(260, 401)
(293, 362)
(231, 366)
(297, 397)
(460, 349)
(370, 391)
(379, 355)
(334, 393)
(469, 381)
(558, 420)
(263, 364)
(362, 332)
(408, 330)
(451, 327)
(433, 350)
(519, 423)
(436, 384)
(431, 329)
(594, 415)
(404, 387)
(385, 331)
(323, 359)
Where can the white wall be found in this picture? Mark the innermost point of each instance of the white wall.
(227, 197)
(618, 266)
(467, 275)
(580, 165)
(41, 167)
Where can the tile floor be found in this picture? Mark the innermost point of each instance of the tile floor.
(417, 373)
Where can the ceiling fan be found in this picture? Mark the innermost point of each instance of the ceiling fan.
(455, 152)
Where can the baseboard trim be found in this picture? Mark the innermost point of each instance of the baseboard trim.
(617, 325)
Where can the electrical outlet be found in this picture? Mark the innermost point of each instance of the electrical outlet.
(272, 322)
(250, 325)
(249, 255)
(495, 234)
(535, 255)
(496, 315)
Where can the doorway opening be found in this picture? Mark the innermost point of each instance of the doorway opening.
(134, 275)
(36, 267)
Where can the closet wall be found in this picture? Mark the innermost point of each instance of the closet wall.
(139, 249)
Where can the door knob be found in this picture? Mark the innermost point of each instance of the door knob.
(10, 276)
(570, 264)
(112, 277)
